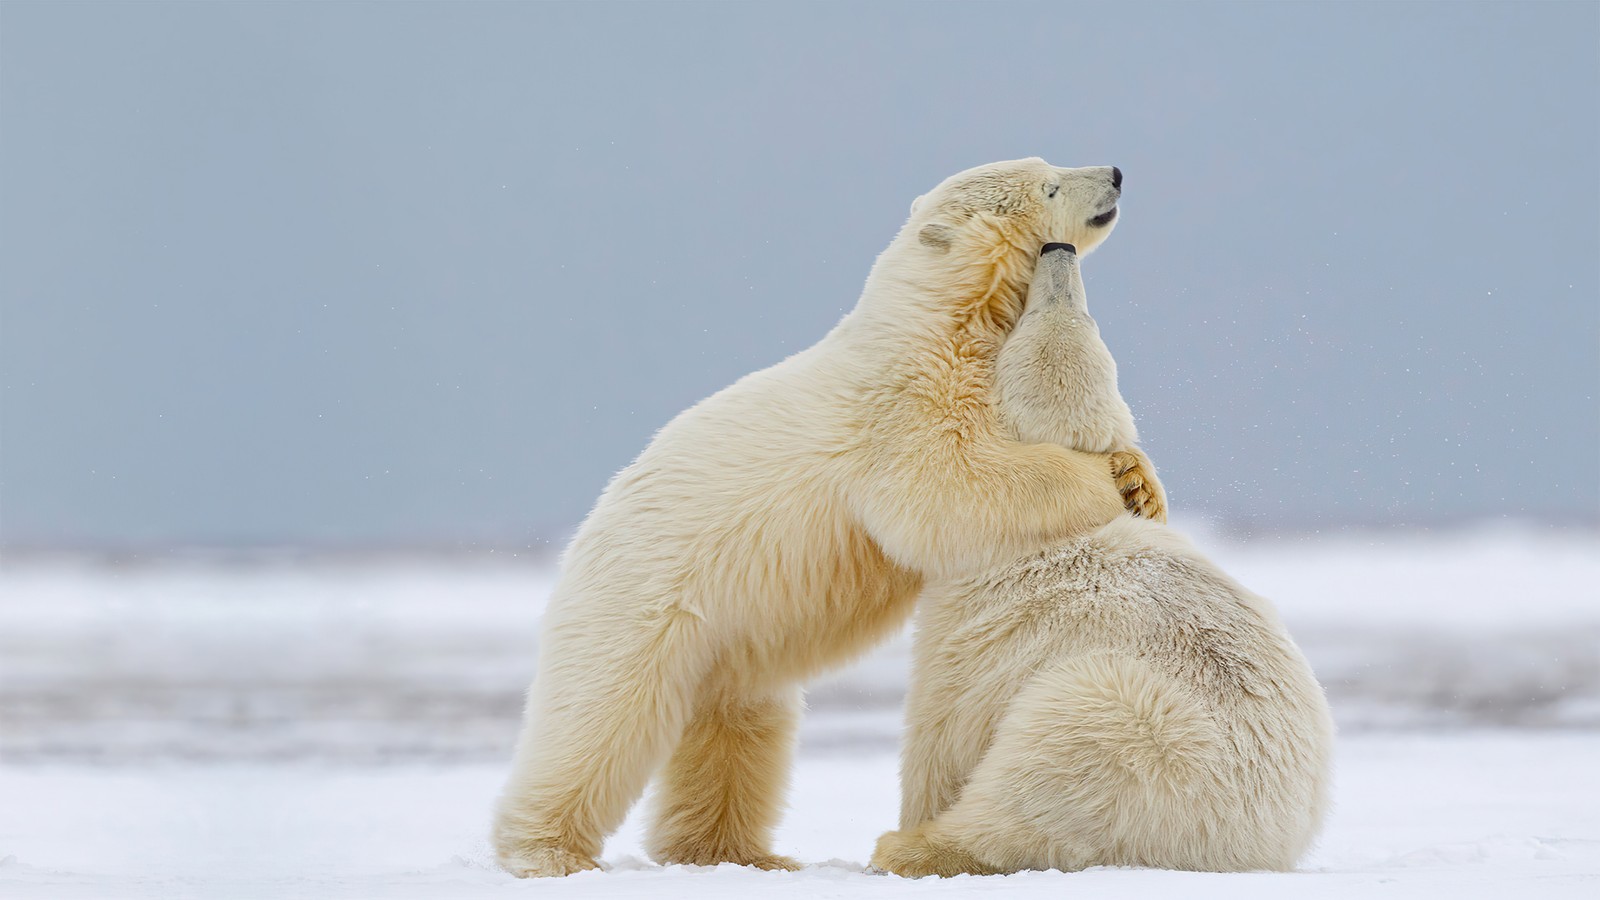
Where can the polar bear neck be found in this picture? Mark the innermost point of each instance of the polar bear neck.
(928, 330)
(1055, 379)
(975, 289)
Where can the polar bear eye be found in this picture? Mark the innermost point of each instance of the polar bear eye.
(1050, 189)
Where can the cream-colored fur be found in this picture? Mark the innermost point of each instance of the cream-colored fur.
(1056, 383)
(785, 524)
(1114, 699)
(1056, 378)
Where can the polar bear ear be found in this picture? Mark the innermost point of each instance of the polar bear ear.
(916, 203)
(937, 235)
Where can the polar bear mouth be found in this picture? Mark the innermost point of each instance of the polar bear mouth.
(1105, 218)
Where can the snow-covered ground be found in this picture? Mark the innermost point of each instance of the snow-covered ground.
(338, 729)
(1418, 816)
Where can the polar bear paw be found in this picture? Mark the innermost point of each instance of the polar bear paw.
(545, 861)
(915, 854)
(772, 862)
(705, 856)
(1136, 482)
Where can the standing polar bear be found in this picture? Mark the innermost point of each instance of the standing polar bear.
(785, 524)
(1114, 699)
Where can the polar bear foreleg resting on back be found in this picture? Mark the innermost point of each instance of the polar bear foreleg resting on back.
(1114, 699)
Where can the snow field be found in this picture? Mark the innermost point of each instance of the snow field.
(1465, 815)
(339, 730)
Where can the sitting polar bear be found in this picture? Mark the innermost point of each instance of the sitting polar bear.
(785, 524)
(1113, 700)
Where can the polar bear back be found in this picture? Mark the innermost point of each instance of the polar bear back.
(1132, 586)
(1137, 593)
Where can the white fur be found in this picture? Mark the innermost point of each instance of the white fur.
(1114, 699)
(784, 525)
(1056, 377)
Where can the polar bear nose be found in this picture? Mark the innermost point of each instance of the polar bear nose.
(1056, 246)
(1116, 177)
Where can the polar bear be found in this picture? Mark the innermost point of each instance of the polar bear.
(786, 523)
(1115, 699)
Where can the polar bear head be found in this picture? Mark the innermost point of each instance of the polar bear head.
(970, 244)
(1020, 204)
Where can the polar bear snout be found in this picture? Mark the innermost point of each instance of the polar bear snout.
(1108, 204)
(1057, 282)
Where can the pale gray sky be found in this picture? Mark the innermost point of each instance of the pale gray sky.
(352, 272)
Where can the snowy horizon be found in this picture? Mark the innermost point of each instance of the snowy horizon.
(207, 658)
(286, 728)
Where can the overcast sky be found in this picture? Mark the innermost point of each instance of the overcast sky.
(364, 273)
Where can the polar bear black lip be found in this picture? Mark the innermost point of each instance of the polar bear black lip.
(1105, 218)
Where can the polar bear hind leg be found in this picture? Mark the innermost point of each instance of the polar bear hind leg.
(1100, 760)
(722, 792)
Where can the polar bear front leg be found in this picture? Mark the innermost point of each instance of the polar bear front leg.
(948, 729)
(938, 756)
(953, 506)
(722, 791)
(1136, 481)
(602, 715)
